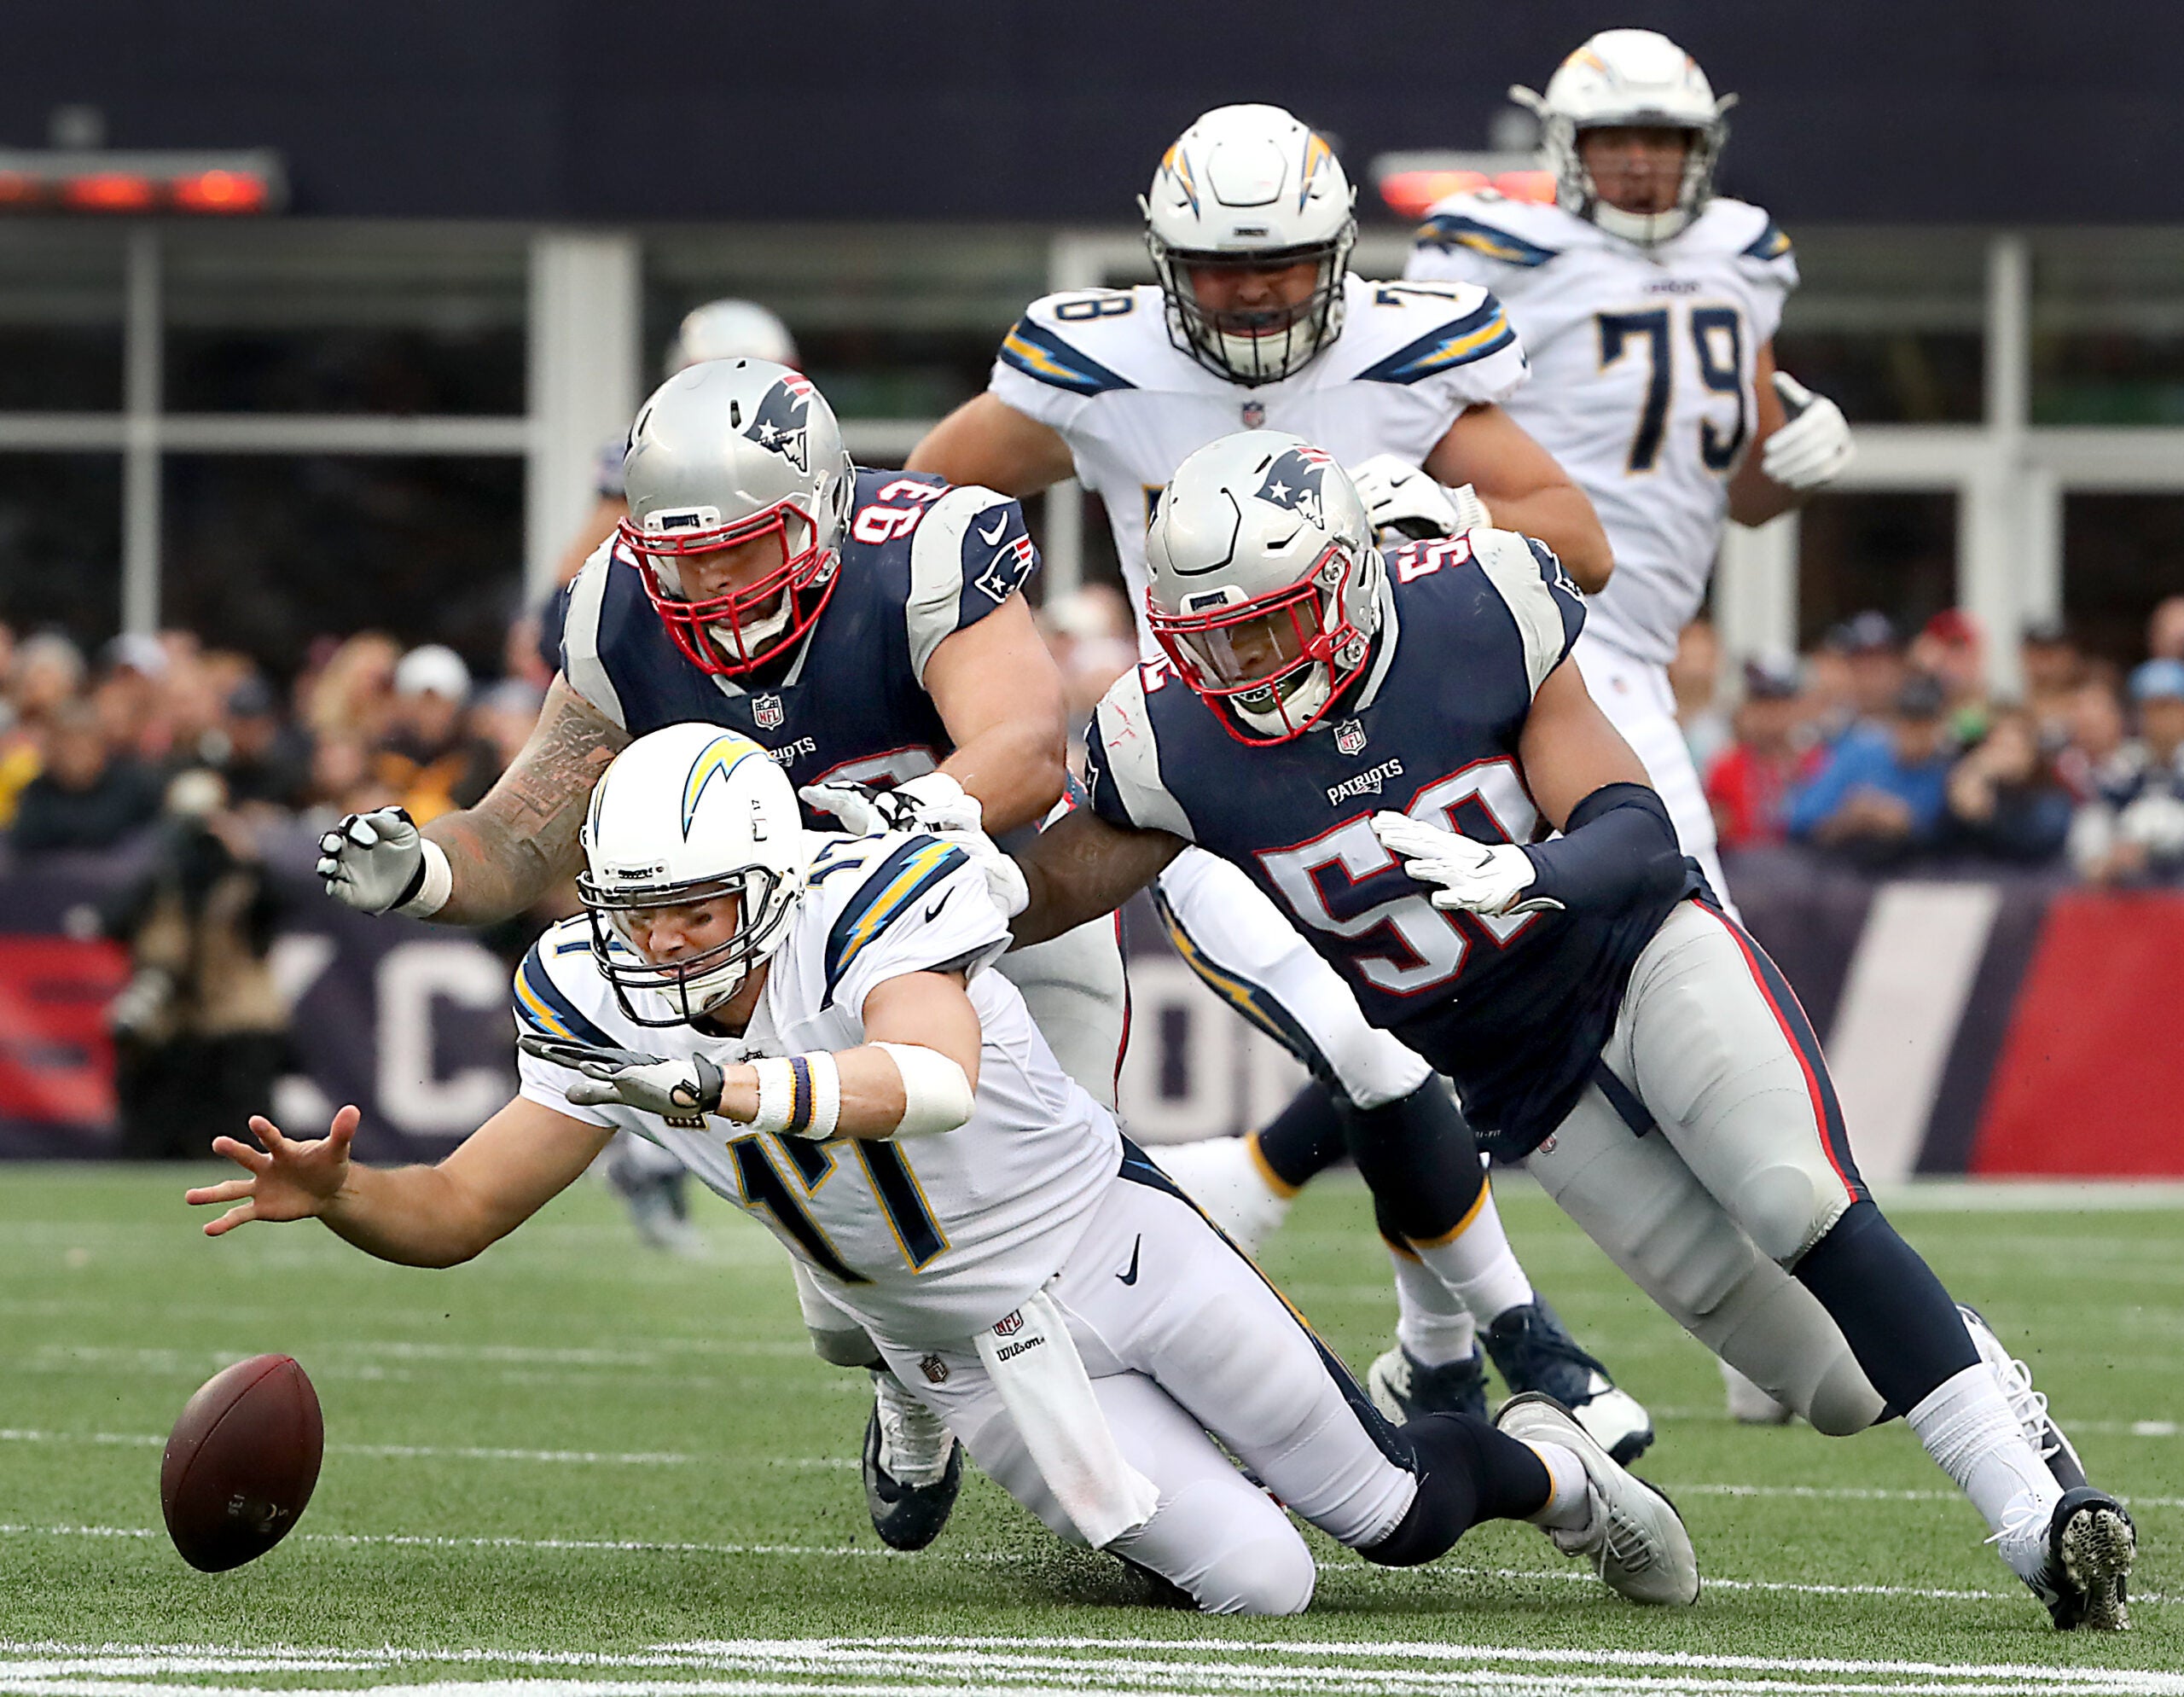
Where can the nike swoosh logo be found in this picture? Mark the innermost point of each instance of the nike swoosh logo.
(940, 904)
(1131, 1277)
(993, 536)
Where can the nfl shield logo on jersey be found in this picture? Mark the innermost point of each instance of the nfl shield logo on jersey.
(1350, 737)
(1254, 415)
(934, 1369)
(766, 710)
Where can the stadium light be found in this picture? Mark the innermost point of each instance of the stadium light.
(217, 184)
(1408, 183)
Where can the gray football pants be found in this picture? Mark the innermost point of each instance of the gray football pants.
(1744, 1166)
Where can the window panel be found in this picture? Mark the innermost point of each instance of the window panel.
(1889, 323)
(270, 551)
(1895, 552)
(61, 297)
(2120, 554)
(60, 543)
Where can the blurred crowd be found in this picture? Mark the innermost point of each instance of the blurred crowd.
(1883, 745)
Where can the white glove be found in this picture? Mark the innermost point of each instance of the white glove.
(1814, 446)
(1405, 504)
(934, 803)
(681, 1092)
(380, 861)
(1485, 878)
(2155, 821)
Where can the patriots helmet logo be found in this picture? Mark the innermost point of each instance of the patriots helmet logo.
(1293, 481)
(779, 423)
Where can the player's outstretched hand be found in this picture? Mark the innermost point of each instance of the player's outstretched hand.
(935, 802)
(289, 1180)
(673, 1090)
(1814, 446)
(1406, 504)
(373, 861)
(1485, 878)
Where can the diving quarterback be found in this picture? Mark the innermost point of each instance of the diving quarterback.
(1257, 319)
(1648, 305)
(806, 1021)
(1383, 745)
(863, 627)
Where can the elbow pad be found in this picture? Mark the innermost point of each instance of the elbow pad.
(937, 1095)
(1618, 846)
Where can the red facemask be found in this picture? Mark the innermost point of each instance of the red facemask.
(715, 634)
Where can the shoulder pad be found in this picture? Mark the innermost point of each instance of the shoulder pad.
(1049, 342)
(550, 997)
(971, 553)
(890, 889)
(1741, 229)
(1491, 227)
(1548, 607)
(1458, 340)
(1123, 760)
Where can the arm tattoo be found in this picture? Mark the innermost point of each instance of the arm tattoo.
(521, 838)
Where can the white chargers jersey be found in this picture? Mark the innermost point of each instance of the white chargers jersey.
(1643, 361)
(927, 1240)
(1097, 367)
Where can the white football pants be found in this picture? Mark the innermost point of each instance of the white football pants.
(1743, 1166)
(1185, 1343)
(1247, 949)
(1635, 696)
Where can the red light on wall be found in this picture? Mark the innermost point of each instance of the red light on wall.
(111, 191)
(220, 191)
(17, 189)
(1409, 193)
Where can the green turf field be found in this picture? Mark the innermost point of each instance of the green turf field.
(584, 1467)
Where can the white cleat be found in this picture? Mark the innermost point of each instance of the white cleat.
(1635, 1538)
(2029, 1405)
(1749, 1404)
(1223, 1177)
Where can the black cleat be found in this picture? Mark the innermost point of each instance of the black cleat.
(2091, 1542)
(1533, 1351)
(1403, 1387)
(909, 1516)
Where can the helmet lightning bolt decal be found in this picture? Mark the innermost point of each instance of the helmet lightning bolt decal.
(721, 756)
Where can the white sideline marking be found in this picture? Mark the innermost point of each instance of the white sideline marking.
(656, 1547)
(1858, 1493)
(639, 1458)
(1068, 1663)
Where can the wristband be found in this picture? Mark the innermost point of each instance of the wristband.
(799, 1095)
(435, 882)
(937, 1097)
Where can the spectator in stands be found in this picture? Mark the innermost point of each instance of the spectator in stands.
(504, 716)
(1749, 781)
(2133, 829)
(85, 796)
(2005, 800)
(1874, 657)
(1881, 793)
(428, 755)
(1828, 701)
(352, 692)
(2098, 731)
(2049, 657)
(1694, 679)
(1951, 648)
(43, 673)
(2165, 630)
(200, 1030)
(1094, 642)
(268, 763)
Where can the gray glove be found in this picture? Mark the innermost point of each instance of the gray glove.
(376, 862)
(681, 1092)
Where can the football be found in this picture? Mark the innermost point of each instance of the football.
(241, 1462)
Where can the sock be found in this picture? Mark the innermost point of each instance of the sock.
(1431, 1324)
(1417, 1157)
(1569, 1505)
(1477, 1263)
(1968, 1429)
(1301, 1142)
(1899, 1321)
(1466, 1473)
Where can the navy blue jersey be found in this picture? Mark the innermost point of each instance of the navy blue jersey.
(919, 561)
(1514, 1009)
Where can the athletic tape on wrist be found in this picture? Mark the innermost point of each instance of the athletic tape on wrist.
(937, 1095)
(437, 885)
(799, 1095)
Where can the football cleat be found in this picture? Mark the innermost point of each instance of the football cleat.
(659, 1204)
(1220, 1174)
(2029, 1405)
(913, 1467)
(2091, 1542)
(1534, 1351)
(1403, 1387)
(1634, 1537)
(1750, 1403)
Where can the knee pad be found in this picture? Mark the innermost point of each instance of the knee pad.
(1786, 1208)
(1780, 1337)
(844, 1349)
(1845, 1401)
(1265, 1576)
